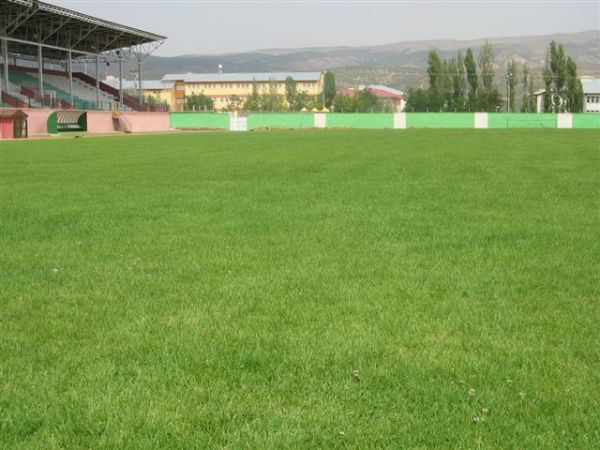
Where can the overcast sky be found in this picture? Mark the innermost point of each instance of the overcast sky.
(208, 27)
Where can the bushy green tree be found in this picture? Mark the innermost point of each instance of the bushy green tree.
(301, 101)
(234, 103)
(271, 100)
(418, 100)
(345, 103)
(200, 102)
(366, 101)
(252, 103)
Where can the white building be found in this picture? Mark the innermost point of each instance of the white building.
(591, 96)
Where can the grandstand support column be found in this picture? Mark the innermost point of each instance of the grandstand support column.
(70, 56)
(120, 80)
(98, 80)
(141, 91)
(5, 58)
(41, 74)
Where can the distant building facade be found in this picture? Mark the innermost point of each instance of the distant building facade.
(591, 96)
(222, 87)
(394, 96)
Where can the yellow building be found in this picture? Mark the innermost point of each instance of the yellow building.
(163, 91)
(222, 87)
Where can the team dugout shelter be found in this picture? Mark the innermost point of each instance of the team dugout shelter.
(44, 33)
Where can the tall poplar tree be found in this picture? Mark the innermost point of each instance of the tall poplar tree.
(472, 79)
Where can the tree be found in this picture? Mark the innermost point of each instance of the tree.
(436, 72)
(200, 102)
(417, 101)
(472, 79)
(558, 66)
(528, 97)
(486, 65)
(458, 83)
(574, 88)
(365, 101)
(234, 103)
(271, 100)
(489, 98)
(153, 100)
(329, 89)
(345, 103)
(290, 92)
(512, 74)
(547, 75)
(252, 103)
(301, 101)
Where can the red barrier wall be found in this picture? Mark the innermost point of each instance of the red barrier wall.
(6, 128)
(37, 121)
(148, 122)
(101, 122)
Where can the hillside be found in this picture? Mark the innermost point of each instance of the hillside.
(400, 64)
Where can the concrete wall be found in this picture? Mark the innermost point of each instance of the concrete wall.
(522, 120)
(148, 122)
(199, 120)
(360, 120)
(586, 121)
(101, 122)
(299, 120)
(37, 121)
(440, 120)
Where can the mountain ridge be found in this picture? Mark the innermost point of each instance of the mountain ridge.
(400, 64)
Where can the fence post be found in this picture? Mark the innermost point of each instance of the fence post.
(320, 120)
(400, 121)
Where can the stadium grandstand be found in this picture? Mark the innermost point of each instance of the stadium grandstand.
(40, 45)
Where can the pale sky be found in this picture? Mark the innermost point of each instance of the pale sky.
(209, 27)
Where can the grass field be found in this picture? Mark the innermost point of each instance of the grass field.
(336, 289)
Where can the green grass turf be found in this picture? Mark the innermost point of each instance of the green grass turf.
(220, 290)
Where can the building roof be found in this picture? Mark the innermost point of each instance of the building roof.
(58, 28)
(386, 89)
(591, 85)
(241, 77)
(377, 90)
(150, 85)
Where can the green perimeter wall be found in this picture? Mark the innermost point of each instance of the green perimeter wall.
(522, 120)
(199, 120)
(589, 120)
(440, 120)
(360, 120)
(374, 120)
(301, 120)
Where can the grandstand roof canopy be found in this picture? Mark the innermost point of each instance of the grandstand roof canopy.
(58, 29)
